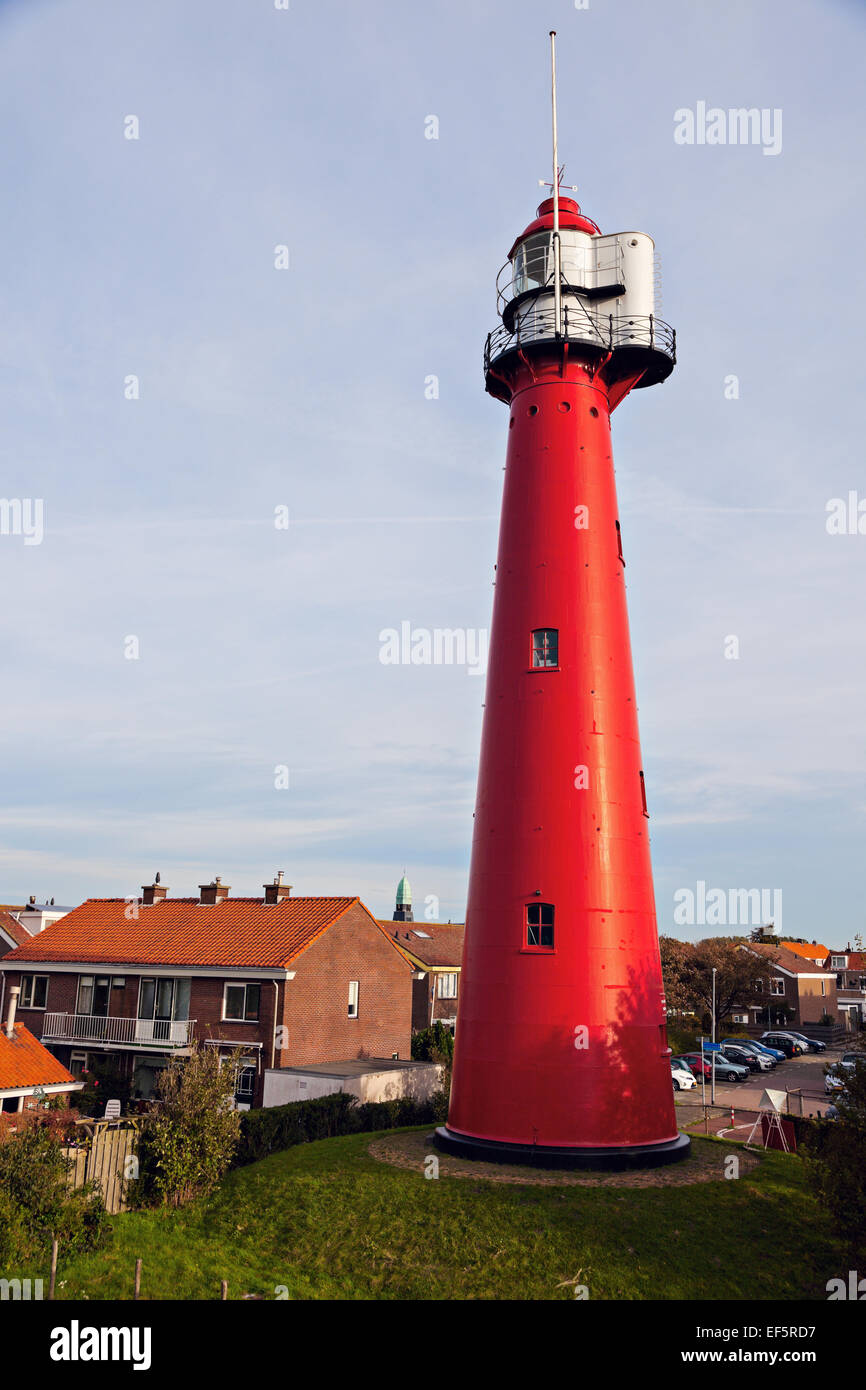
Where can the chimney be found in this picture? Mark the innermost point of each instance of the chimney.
(212, 893)
(13, 1005)
(152, 893)
(277, 891)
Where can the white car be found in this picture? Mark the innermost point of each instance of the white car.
(682, 1078)
(833, 1082)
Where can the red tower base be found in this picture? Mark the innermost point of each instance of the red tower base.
(549, 1156)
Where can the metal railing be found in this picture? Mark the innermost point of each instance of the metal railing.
(147, 1032)
(605, 331)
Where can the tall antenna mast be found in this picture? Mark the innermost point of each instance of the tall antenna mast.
(557, 262)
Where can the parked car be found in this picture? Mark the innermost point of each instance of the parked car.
(833, 1081)
(765, 1059)
(725, 1069)
(682, 1078)
(741, 1055)
(788, 1045)
(775, 1053)
(812, 1044)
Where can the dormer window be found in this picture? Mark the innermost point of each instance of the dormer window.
(545, 647)
(539, 925)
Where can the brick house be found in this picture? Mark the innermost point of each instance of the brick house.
(29, 1073)
(435, 949)
(795, 989)
(849, 969)
(275, 981)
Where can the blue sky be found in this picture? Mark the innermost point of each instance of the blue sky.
(304, 388)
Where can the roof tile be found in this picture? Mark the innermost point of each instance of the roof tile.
(25, 1062)
(181, 931)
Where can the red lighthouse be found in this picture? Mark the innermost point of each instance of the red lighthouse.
(561, 1050)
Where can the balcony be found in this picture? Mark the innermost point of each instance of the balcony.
(118, 1032)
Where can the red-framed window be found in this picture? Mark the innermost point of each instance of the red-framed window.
(545, 647)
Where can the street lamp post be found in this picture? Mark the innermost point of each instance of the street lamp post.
(713, 1054)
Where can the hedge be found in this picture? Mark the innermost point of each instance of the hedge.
(278, 1127)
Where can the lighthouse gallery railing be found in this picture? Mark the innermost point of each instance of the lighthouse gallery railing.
(579, 325)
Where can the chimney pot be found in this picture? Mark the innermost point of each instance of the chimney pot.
(13, 1005)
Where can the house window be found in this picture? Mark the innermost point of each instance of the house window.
(838, 962)
(34, 991)
(759, 986)
(94, 995)
(353, 999)
(539, 925)
(241, 1003)
(446, 986)
(545, 647)
(777, 986)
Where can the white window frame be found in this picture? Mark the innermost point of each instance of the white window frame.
(838, 962)
(76, 1058)
(244, 985)
(446, 985)
(353, 1003)
(25, 999)
(777, 987)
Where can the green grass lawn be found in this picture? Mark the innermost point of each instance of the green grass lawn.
(326, 1221)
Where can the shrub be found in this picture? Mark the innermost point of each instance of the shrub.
(37, 1205)
(835, 1154)
(434, 1044)
(682, 1040)
(189, 1141)
(280, 1127)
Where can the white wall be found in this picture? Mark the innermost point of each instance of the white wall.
(419, 1082)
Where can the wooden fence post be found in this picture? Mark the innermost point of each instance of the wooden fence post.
(53, 1274)
(224, 1290)
(137, 1278)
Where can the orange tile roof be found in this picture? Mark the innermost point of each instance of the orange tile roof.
(442, 944)
(810, 950)
(25, 1062)
(180, 931)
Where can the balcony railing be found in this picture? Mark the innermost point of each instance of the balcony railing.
(143, 1032)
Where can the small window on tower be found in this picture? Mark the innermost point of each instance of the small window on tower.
(545, 647)
(539, 925)
(353, 999)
